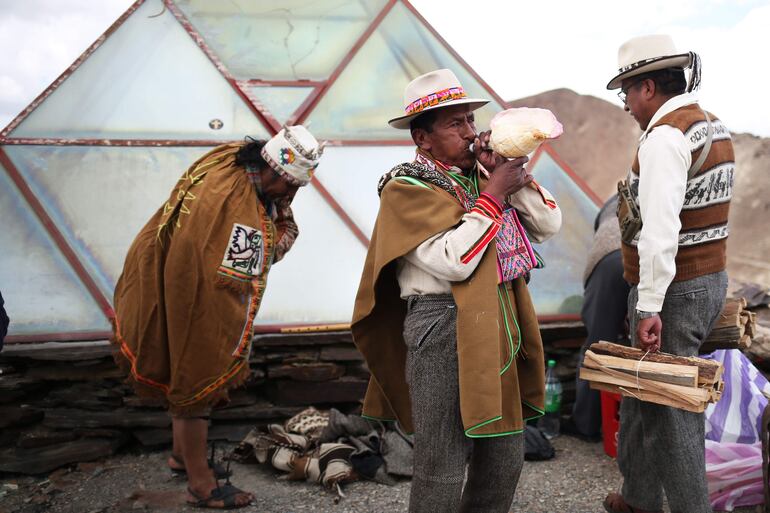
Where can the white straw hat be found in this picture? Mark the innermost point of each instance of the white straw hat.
(648, 53)
(431, 91)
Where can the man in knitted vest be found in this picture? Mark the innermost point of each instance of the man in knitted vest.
(680, 183)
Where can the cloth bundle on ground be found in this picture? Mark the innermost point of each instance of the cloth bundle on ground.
(733, 428)
(329, 448)
(536, 446)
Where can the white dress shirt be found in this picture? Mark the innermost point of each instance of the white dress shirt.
(664, 158)
(433, 265)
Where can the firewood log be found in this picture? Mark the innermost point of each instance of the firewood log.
(709, 371)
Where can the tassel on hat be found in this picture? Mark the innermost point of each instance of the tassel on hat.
(695, 70)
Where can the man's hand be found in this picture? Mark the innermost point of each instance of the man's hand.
(484, 154)
(648, 333)
(508, 177)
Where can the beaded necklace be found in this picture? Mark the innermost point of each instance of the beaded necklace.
(470, 185)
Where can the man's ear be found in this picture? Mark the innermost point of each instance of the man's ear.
(421, 139)
(648, 88)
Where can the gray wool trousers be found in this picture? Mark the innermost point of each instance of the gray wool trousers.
(441, 450)
(662, 449)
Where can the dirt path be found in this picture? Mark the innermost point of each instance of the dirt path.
(574, 482)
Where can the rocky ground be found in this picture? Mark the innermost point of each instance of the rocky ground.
(574, 482)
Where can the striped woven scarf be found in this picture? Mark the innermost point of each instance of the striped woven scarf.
(514, 251)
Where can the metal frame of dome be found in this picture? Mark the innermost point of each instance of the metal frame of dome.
(261, 112)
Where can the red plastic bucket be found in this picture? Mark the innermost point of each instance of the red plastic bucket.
(610, 422)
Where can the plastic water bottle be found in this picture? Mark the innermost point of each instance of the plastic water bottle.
(549, 423)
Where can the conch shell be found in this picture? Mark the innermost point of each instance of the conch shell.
(518, 132)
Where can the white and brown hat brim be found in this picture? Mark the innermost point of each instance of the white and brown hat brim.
(670, 61)
(403, 122)
(435, 90)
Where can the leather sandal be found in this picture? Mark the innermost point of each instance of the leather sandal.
(615, 503)
(224, 493)
(220, 472)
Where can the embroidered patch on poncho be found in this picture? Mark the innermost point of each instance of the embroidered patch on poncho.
(244, 253)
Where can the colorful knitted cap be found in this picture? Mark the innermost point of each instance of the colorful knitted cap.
(294, 153)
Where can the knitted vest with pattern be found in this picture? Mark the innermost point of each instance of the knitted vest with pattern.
(703, 235)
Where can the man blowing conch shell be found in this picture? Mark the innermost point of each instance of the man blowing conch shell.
(443, 315)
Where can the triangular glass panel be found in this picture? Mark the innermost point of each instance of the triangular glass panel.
(280, 101)
(360, 103)
(148, 80)
(76, 185)
(100, 197)
(558, 289)
(351, 173)
(41, 291)
(287, 40)
(317, 280)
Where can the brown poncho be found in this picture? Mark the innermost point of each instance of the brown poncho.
(501, 379)
(192, 284)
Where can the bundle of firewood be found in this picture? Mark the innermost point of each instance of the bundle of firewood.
(734, 329)
(684, 382)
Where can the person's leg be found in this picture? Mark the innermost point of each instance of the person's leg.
(493, 474)
(587, 409)
(439, 440)
(604, 312)
(689, 311)
(193, 433)
(642, 488)
(176, 460)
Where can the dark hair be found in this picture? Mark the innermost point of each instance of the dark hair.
(249, 154)
(424, 121)
(670, 81)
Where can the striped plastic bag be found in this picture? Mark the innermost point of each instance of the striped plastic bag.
(737, 417)
(733, 434)
(734, 474)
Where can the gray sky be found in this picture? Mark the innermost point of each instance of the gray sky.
(519, 48)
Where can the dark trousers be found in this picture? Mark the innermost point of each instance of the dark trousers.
(441, 450)
(605, 305)
(660, 448)
(3, 322)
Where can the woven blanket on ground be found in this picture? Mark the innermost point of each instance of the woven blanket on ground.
(334, 449)
(327, 464)
(309, 422)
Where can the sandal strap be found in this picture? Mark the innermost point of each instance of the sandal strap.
(225, 493)
(220, 472)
